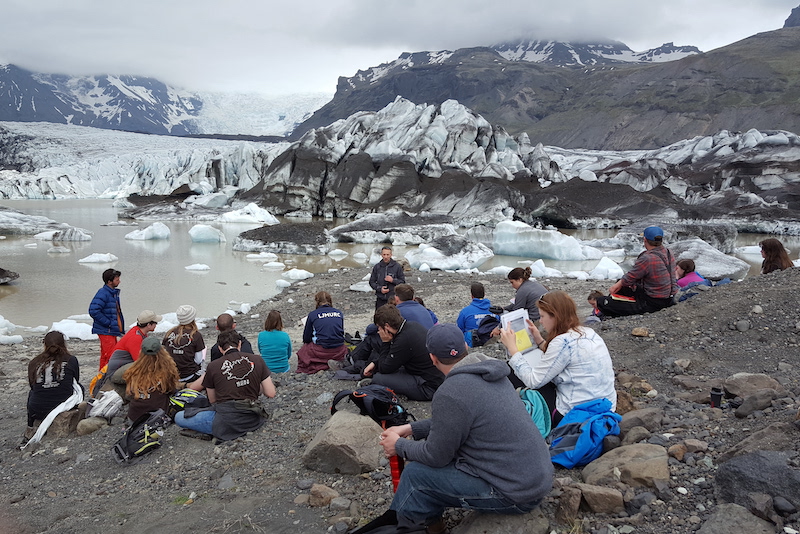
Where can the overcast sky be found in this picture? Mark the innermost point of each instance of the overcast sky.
(286, 47)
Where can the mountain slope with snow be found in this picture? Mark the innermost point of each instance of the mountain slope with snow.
(140, 104)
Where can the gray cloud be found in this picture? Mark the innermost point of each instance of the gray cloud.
(250, 46)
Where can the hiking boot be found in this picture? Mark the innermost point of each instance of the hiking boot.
(364, 382)
(437, 527)
(335, 365)
(189, 433)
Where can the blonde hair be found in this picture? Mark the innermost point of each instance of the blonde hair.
(152, 372)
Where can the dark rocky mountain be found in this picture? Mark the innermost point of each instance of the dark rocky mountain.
(794, 19)
(129, 103)
(604, 105)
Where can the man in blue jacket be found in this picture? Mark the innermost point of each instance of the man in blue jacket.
(480, 449)
(410, 309)
(470, 317)
(106, 311)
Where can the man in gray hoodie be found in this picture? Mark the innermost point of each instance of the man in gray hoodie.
(481, 449)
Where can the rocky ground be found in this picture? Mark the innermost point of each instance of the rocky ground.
(256, 483)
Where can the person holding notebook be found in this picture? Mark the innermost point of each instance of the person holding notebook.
(569, 366)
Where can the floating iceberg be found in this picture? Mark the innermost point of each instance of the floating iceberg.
(157, 230)
(282, 283)
(274, 266)
(710, 262)
(515, 238)
(263, 256)
(98, 257)
(197, 267)
(203, 233)
(458, 254)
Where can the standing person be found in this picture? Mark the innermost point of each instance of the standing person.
(226, 322)
(572, 364)
(233, 384)
(470, 317)
(480, 449)
(151, 380)
(775, 256)
(323, 336)
(410, 309)
(403, 363)
(386, 274)
(274, 344)
(50, 375)
(527, 292)
(650, 284)
(185, 344)
(105, 310)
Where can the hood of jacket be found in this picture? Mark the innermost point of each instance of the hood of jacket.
(490, 369)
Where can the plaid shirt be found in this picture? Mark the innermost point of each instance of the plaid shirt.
(654, 271)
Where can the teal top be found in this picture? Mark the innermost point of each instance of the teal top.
(276, 348)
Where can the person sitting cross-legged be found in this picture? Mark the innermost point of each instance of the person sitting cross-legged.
(233, 385)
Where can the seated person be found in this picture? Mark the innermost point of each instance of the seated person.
(433, 315)
(596, 315)
(527, 292)
(151, 380)
(480, 449)
(323, 336)
(367, 350)
(775, 256)
(233, 385)
(274, 344)
(185, 344)
(410, 309)
(470, 317)
(403, 363)
(226, 322)
(126, 351)
(649, 286)
(571, 365)
(51, 376)
(686, 274)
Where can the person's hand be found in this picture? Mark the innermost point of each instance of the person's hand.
(384, 290)
(537, 336)
(615, 288)
(385, 335)
(388, 278)
(388, 440)
(401, 430)
(509, 339)
(368, 369)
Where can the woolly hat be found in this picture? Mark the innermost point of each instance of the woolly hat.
(186, 314)
(446, 342)
(151, 345)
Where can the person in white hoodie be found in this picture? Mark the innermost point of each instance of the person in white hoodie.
(570, 366)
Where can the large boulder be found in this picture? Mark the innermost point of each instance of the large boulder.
(347, 443)
(729, 518)
(746, 384)
(765, 472)
(775, 437)
(641, 464)
(534, 522)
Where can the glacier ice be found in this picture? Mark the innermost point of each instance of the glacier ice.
(470, 255)
(710, 262)
(606, 269)
(251, 213)
(197, 267)
(516, 238)
(99, 257)
(74, 329)
(157, 230)
(282, 283)
(203, 233)
(297, 274)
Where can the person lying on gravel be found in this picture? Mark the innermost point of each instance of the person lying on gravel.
(403, 363)
(233, 385)
(479, 450)
(570, 366)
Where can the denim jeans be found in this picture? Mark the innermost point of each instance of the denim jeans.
(424, 492)
(201, 421)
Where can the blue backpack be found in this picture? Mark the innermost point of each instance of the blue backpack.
(578, 438)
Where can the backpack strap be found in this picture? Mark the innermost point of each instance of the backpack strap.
(339, 396)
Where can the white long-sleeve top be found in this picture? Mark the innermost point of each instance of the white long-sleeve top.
(577, 362)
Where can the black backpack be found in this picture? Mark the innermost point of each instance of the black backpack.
(143, 436)
(378, 402)
(483, 333)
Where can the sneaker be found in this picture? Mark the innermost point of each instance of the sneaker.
(335, 365)
(189, 433)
